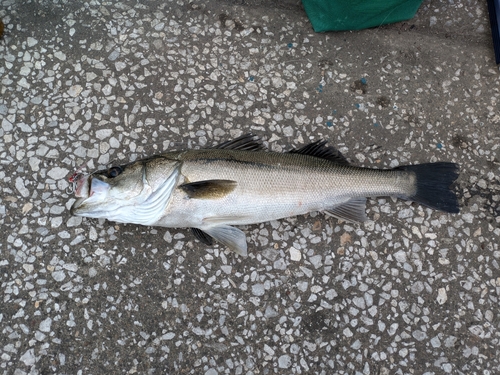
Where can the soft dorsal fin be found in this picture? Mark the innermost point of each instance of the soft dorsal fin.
(209, 189)
(320, 150)
(246, 142)
(353, 210)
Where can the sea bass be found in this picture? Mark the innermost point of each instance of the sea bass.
(238, 183)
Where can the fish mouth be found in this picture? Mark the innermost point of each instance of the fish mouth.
(82, 188)
(90, 190)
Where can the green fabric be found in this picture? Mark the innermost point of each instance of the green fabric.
(328, 15)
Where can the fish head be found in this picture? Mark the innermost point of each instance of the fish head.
(133, 193)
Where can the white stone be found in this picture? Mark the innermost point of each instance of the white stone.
(74, 221)
(93, 234)
(295, 254)
(6, 125)
(419, 335)
(435, 342)
(168, 336)
(28, 267)
(103, 133)
(316, 260)
(258, 289)
(442, 296)
(59, 275)
(288, 131)
(24, 71)
(284, 361)
(58, 173)
(347, 332)
(119, 65)
(60, 55)
(405, 213)
(468, 217)
(34, 163)
(270, 312)
(268, 349)
(56, 222)
(29, 358)
(45, 325)
(400, 256)
(302, 285)
(359, 302)
(70, 267)
(32, 41)
(316, 288)
(280, 264)
(21, 188)
(75, 90)
(114, 55)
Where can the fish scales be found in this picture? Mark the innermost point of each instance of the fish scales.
(294, 183)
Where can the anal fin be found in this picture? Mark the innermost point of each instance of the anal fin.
(353, 210)
(230, 236)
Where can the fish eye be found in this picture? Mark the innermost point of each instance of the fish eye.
(113, 172)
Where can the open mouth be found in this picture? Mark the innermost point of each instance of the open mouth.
(89, 191)
(82, 188)
(86, 186)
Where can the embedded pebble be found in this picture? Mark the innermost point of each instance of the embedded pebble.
(58, 173)
(284, 361)
(295, 254)
(28, 358)
(258, 290)
(45, 325)
(442, 296)
(75, 90)
(60, 55)
(59, 275)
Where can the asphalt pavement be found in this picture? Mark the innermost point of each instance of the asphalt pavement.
(99, 83)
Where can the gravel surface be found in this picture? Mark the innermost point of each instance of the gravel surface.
(412, 291)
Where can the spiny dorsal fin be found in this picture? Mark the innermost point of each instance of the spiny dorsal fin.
(320, 150)
(202, 236)
(246, 142)
(209, 189)
(353, 210)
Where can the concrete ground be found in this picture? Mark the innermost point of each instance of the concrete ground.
(412, 291)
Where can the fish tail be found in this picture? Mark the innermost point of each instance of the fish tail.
(433, 182)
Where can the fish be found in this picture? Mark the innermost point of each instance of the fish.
(236, 183)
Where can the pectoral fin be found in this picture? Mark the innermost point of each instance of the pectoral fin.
(230, 236)
(209, 189)
(352, 210)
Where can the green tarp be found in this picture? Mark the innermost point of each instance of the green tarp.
(329, 15)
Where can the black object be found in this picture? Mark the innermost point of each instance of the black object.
(494, 11)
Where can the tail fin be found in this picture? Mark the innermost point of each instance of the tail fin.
(433, 185)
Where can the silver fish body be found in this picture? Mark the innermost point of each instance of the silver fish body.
(237, 183)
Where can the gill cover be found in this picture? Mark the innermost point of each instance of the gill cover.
(127, 197)
(152, 207)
